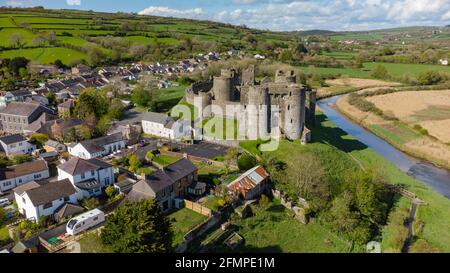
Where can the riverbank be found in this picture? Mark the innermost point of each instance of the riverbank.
(398, 134)
(432, 220)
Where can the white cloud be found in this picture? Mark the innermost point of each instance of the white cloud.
(321, 14)
(73, 2)
(18, 3)
(194, 13)
(243, 2)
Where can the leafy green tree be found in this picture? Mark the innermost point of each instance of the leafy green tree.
(246, 162)
(134, 162)
(380, 72)
(2, 216)
(429, 77)
(90, 101)
(142, 97)
(19, 159)
(116, 109)
(39, 139)
(138, 227)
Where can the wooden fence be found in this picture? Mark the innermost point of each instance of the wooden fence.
(197, 208)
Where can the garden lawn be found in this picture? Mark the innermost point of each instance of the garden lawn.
(165, 159)
(4, 235)
(274, 230)
(183, 220)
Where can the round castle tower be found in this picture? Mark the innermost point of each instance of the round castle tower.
(294, 112)
(257, 112)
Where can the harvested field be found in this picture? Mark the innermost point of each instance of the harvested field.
(361, 83)
(429, 109)
(347, 85)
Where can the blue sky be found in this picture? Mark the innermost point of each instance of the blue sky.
(276, 14)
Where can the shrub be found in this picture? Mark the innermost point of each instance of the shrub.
(90, 203)
(246, 161)
(422, 246)
(380, 72)
(263, 201)
(429, 77)
(110, 191)
(420, 129)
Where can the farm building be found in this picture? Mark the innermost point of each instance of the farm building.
(250, 184)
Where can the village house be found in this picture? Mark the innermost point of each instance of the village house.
(40, 125)
(88, 176)
(54, 146)
(16, 116)
(16, 144)
(161, 125)
(81, 69)
(13, 176)
(251, 184)
(65, 108)
(36, 200)
(14, 96)
(98, 147)
(166, 184)
(60, 127)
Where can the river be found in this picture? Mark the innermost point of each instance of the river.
(437, 178)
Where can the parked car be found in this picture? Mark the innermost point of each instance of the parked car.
(4, 202)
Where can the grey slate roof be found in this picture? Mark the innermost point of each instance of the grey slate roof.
(25, 187)
(67, 210)
(96, 144)
(23, 109)
(23, 169)
(12, 139)
(49, 192)
(77, 165)
(165, 177)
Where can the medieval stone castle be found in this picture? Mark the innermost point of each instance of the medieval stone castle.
(263, 108)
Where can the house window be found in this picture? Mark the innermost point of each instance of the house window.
(20, 180)
(289, 107)
(66, 199)
(92, 173)
(48, 205)
(20, 143)
(82, 176)
(36, 176)
(23, 200)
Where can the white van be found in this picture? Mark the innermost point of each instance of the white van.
(85, 221)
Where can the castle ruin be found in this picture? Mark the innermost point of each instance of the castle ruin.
(262, 108)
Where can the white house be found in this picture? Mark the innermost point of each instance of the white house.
(16, 144)
(164, 126)
(35, 200)
(19, 95)
(98, 147)
(18, 175)
(88, 176)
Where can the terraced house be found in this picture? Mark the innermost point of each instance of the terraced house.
(98, 147)
(13, 176)
(16, 117)
(166, 184)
